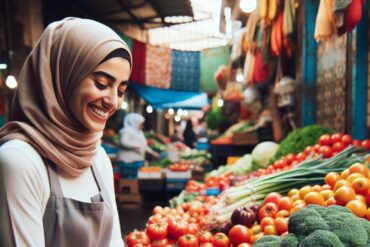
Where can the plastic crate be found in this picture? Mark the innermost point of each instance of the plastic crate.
(175, 184)
(202, 146)
(130, 170)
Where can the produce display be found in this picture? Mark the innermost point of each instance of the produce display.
(318, 195)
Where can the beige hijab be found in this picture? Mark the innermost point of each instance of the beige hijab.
(66, 53)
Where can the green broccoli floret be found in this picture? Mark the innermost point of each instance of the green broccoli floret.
(290, 240)
(306, 221)
(366, 226)
(268, 241)
(321, 238)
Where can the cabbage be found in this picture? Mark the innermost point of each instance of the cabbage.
(242, 166)
(263, 152)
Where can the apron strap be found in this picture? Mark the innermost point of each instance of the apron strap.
(55, 187)
(97, 177)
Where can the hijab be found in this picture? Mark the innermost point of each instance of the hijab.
(67, 51)
(131, 124)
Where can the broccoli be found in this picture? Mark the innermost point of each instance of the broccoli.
(268, 241)
(290, 240)
(321, 238)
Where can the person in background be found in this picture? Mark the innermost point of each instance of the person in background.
(202, 130)
(58, 179)
(177, 135)
(133, 144)
(189, 135)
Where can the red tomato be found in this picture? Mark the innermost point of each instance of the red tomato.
(188, 240)
(269, 209)
(347, 139)
(301, 156)
(137, 237)
(206, 245)
(367, 197)
(339, 146)
(272, 197)
(270, 230)
(285, 203)
(159, 243)
(366, 144)
(316, 147)
(336, 137)
(157, 231)
(205, 237)
(326, 151)
(177, 227)
(281, 225)
(221, 240)
(266, 222)
(325, 140)
(244, 245)
(239, 234)
(356, 143)
(193, 228)
(290, 158)
(308, 150)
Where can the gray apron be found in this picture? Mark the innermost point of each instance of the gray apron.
(68, 222)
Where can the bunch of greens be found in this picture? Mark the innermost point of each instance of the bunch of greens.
(299, 139)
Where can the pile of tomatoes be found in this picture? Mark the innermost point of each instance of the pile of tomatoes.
(221, 183)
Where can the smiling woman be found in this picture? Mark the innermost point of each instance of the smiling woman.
(58, 180)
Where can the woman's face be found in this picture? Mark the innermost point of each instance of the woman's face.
(101, 93)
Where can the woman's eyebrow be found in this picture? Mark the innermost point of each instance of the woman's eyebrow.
(108, 76)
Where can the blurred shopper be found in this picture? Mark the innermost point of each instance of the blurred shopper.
(177, 135)
(58, 180)
(133, 144)
(190, 137)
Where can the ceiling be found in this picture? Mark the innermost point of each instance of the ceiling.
(145, 14)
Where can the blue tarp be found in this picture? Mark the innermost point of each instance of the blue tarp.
(164, 98)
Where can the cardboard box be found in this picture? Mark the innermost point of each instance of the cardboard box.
(247, 138)
(128, 186)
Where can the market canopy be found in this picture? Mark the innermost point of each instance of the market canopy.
(165, 98)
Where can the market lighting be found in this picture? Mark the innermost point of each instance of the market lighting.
(177, 118)
(220, 102)
(11, 82)
(3, 66)
(239, 76)
(124, 105)
(171, 111)
(179, 112)
(248, 6)
(149, 109)
(185, 112)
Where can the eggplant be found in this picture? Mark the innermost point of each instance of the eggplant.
(243, 216)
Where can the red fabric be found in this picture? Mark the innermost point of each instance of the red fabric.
(353, 14)
(261, 70)
(138, 62)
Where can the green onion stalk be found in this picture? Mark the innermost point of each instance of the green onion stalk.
(309, 172)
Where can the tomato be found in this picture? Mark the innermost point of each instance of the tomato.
(344, 194)
(367, 197)
(353, 176)
(281, 225)
(304, 190)
(244, 245)
(239, 234)
(347, 140)
(359, 168)
(285, 203)
(367, 215)
(314, 198)
(325, 140)
(331, 178)
(283, 213)
(254, 238)
(326, 151)
(269, 209)
(357, 207)
(308, 150)
(159, 243)
(366, 144)
(193, 228)
(266, 222)
(221, 240)
(340, 183)
(356, 143)
(177, 227)
(270, 230)
(327, 194)
(338, 146)
(137, 237)
(336, 137)
(205, 236)
(290, 158)
(361, 185)
(206, 244)
(280, 163)
(188, 240)
(157, 231)
(272, 197)
(301, 156)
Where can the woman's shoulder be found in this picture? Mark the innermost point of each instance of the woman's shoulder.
(20, 154)
(102, 160)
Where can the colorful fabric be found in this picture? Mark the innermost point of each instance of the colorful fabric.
(138, 60)
(185, 70)
(353, 15)
(127, 39)
(325, 23)
(210, 61)
(158, 66)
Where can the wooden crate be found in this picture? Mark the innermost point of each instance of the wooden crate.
(247, 138)
(128, 186)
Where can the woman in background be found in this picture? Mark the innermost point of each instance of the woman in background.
(189, 135)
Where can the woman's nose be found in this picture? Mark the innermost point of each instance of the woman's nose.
(111, 100)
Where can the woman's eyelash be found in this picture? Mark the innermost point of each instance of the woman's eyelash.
(100, 85)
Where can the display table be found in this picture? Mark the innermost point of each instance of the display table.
(221, 152)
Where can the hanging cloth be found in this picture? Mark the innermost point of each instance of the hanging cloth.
(158, 71)
(138, 62)
(273, 9)
(325, 24)
(277, 35)
(185, 70)
(250, 30)
(340, 7)
(353, 15)
(263, 8)
(261, 69)
(288, 21)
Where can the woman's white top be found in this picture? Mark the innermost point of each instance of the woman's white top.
(28, 190)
